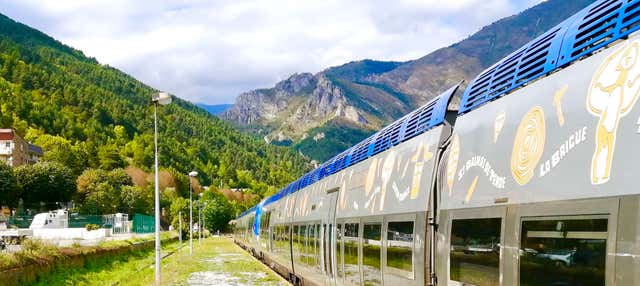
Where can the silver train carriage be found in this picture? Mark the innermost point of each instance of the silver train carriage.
(530, 183)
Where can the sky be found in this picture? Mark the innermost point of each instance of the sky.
(211, 51)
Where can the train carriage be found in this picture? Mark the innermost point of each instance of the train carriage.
(532, 183)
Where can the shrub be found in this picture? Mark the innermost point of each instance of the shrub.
(91, 226)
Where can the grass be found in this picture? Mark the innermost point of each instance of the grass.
(213, 255)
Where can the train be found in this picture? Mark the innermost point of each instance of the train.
(529, 181)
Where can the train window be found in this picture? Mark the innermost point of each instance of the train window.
(371, 244)
(311, 250)
(302, 240)
(286, 246)
(295, 243)
(400, 248)
(475, 251)
(316, 248)
(350, 254)
(264, 229)
(339, 261)
(563, 252)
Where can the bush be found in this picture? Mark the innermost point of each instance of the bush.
(91, 226)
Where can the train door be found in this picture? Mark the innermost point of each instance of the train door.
(329, 239)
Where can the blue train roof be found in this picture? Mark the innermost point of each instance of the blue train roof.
(584, 33)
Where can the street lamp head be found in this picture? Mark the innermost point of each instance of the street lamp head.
(161, 98)
(193, 174)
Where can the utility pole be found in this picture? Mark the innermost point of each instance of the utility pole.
(161, 98)
(191, 175)
(199, 224)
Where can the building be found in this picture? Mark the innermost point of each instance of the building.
(15, 151)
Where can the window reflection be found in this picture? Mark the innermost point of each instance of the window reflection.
(351, 270)
(371, 254)
(475, 251)
(400, 249)
(563, 252)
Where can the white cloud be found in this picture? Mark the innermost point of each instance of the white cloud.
(210, 51)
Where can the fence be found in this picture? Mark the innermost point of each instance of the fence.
(143, 223)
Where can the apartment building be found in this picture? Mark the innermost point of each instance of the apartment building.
(15, 151)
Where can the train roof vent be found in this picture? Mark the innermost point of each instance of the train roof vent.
(419, 120)
(533, 60)
(387, 137)
(426, 117)
(361, 150)
(599, 25)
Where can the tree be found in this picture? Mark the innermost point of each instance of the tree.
(46, 182)
(217, 211)
(106, 192)
(180, 205)
(8, 187)
(136, 200)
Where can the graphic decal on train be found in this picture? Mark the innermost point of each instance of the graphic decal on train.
(452, 162)
(528, 146)
(498, 124)
(397, 178)
(557, 103)
(613, 92)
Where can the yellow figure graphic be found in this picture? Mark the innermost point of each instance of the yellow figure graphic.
(613, 92)
(385, 174)
(452, 162)
(557, 102)
(498, 124)
(528, 145)
(472, 189)
(418, 168)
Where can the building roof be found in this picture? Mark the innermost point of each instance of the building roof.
(6, 134)
(35, 149)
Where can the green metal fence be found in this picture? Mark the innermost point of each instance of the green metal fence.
(21, 221)
(83, 220)
(143, 223)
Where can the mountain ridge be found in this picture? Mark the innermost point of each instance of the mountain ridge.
(369, 94)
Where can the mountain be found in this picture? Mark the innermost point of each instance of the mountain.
(215, 109)
(323, 114)
(88, 115)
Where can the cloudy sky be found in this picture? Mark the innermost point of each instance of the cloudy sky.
(210, 51)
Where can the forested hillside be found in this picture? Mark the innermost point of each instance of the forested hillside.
(88, 115)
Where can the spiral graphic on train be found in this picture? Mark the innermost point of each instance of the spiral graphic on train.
(528, 145)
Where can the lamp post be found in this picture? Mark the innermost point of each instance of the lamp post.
(204, 220)
(199, 223)
(191, 175)
(159, 98)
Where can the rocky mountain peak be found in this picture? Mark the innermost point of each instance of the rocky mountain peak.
(295, 83)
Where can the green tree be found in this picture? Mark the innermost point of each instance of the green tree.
(106, 192)
(8, 187)
(46, 182)
(180, 205)
(217, 211)
(136, 200)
